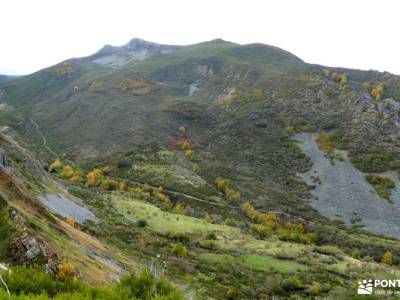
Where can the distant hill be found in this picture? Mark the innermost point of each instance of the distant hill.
(4, 78)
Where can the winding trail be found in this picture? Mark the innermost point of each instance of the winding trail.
(45, 144)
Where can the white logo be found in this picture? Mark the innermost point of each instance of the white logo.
(365, 287)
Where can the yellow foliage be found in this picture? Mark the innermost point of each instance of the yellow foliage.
(186, 146)
(142, 245)
(208, 218)
(222, 184)
(57, 164)
(343, 79)
(122, 186)
(315, 288)
(262, 230)
(95, 86)
(189, 153)
(195, 168)
(66, 270)
(158, 193)
(387, 258)
(180, 209)
(326, 73)
(67, 172)
(180, 250)
(138, 84)
(92, 178)
(138, 191)
(378, 91)
(325, 143)
(70, 221)
(109, 184)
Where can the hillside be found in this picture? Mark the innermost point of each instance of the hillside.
(215, 158)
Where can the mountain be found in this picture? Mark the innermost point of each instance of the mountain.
(136, 49)
(6, 78)
(229, 163)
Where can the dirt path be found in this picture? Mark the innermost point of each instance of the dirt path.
(45, 145)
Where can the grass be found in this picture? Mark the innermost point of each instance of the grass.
(165, 222)
(382, 185)
(253, 261)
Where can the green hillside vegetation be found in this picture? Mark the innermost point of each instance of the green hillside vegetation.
(187, 161)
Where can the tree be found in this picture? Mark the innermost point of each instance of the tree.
(378, 91)
(67, 172)
(93, 177)
(387, 258)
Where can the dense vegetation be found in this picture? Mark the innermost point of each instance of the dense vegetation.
(31, 283)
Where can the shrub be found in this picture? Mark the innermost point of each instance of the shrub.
(233, 196)
(142, 223)
(109, 184)
(387, 258)
(262, 230)
(382, 185)
(208, 218)
(326, 72)
(186, 146)
(222, 184)
(189, 153)
(314, 288)
(325, 143)
(180, 209)
(146, 287)
(378, 90)
(180, 250)
(291, 284)
(70, 221)
(141, 245)
(66, 270)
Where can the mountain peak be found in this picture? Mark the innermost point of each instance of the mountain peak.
(135, 49)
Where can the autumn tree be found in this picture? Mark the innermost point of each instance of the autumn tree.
(387, 258)
(56, 165)
(378, 91)
(93, 178)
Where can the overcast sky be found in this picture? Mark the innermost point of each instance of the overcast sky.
(360, 34)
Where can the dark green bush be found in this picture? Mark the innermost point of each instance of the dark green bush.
(142, 223)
